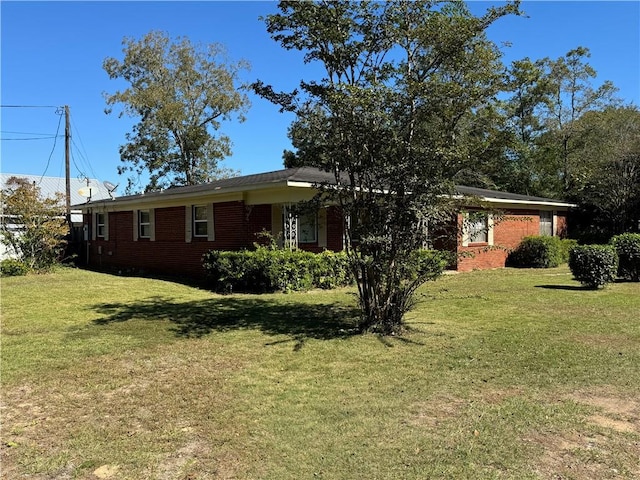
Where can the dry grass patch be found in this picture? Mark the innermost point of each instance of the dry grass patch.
(609, 341)
(165, 408)
(586, 455)
(438, 410)
(563, 457)
(614, 412)
(443, 407)
(607, 444)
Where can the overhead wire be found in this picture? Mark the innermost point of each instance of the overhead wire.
(83, 158)
(81, 174)
(29, 106)
(40, 136)
(32, 138)
(24, 133)
(82, 152)
(55, 141)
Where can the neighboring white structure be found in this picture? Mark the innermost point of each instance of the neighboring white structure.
(50, 186)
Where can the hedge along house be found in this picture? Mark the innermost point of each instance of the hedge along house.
(168, 231)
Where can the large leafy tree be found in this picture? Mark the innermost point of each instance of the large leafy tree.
(33, 228)
(401, 79)
(181, 93)
(523, 112)
(608, 144)
(572, 96)
(538, 149)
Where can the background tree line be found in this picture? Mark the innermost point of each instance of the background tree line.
(555, 134)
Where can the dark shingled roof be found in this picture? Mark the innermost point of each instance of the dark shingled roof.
(311, 175)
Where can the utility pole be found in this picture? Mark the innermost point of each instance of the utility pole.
(67, 170)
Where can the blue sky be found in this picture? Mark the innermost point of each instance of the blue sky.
(52, 54)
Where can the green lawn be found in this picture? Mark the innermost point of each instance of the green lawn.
(517, 374)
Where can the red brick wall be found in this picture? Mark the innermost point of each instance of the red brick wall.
(259, 217)
(334, 229)
(230, 219)
(170, 224)
(169, 253)
(236, 226)
(507, 234)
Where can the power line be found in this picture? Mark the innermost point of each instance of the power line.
(53, 149)
(23, 133)
(33, 138)
(81, 151)
(60, 111)
(29, 106)
(80, 172)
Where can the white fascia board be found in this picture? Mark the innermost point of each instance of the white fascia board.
(507, 201)
(160, 201)
(530, 202)
(301, 184)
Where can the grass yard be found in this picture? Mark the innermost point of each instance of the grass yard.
(512, 374)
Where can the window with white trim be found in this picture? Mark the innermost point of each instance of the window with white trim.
(546, 223)
(308, 228)
(200, 221)
(478, 228)
(100, 224)
(144, 224)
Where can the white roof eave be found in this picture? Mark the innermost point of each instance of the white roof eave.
(148, 200)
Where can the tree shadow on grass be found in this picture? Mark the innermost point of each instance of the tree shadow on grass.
(577, 288)
(298, 320)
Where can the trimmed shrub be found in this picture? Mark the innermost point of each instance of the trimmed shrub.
(594, 265)
(537, 252)
(627, 246)
(229, 271)
(11, 267)
(287, 270)
(566, 244)
(331, 270)
(268, 270)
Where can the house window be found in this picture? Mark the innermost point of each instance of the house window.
(478, 228)
(308, 228)
(200, 223)
(144, 224)
(546, 223)
(100, 224)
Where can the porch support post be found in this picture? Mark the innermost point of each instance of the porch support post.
(290, 228)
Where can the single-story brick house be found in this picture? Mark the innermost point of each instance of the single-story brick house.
(168, 231)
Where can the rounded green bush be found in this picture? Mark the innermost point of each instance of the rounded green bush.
(627, 246)
(12, 267)
(594, 265)
(537, 252)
